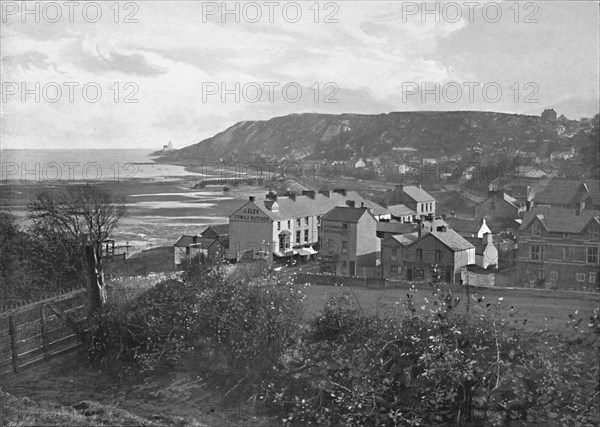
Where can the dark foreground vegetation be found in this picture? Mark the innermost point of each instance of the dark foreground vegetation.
(436, 365)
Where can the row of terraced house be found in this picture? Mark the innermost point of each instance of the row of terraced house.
(399, 238)
(403, 238)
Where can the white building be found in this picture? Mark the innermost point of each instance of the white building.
(287, 226)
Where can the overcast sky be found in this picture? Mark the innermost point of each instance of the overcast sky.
(375, 59)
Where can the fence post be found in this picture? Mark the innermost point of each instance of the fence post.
(13, 344)
(44, 330)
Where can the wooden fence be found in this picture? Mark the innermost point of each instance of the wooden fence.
(40, 330)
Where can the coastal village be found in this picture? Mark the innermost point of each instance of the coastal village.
(534, 228)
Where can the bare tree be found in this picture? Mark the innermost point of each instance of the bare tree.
(84, 216)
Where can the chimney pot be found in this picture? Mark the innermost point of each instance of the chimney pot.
(251, 198)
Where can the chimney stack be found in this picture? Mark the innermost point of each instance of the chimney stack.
(251, 198)
(309, 193)
(341, 191)
(488, 238)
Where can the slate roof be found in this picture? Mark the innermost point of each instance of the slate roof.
(400, 210)
(594, 190)
(396, 227)
(560, 220)
(405, 239)
(561, 191)
(401, 194)
(344, 214)
(449, 238)
(503, 197)
(186, 241)
(218, 229)
(529, 172)
(464, 225)
(511, 200)
(304, 205)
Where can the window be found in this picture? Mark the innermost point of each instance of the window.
(394, 253)
(592, 255)
(554, 275)
(344, 265)
(297, 222)
(438, 255)
(594, 232)
(580, 277)
(319, 220)
(305, 220)
(187, 250)
(566, 253)
(345, 226)
(541, 274)
(592, 278)
(419, 273)
(306, 235)
(298, 237)
(344, 247)
(419, 254)
(395, 269)
(289, 223)
(278, 225)
(535, 229)
(536, 253)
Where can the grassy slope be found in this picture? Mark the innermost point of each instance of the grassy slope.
(23, 411)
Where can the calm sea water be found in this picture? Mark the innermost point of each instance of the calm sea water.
(87, 165)
(160, 210)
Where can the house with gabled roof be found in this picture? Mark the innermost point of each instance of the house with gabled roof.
(558, 249)
(413, 257)
(350, 246)
(568, 193)
(500, 211)
(287, 226)
(213, 250)
(468, 228)
(413, 197)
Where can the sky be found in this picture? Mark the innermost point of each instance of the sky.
(145, 73)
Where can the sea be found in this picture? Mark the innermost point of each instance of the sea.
(45, 165)
(161, 200)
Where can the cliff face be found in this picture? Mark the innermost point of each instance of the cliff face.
(341, 137)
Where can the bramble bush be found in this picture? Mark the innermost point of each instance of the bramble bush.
(218, 324)
(455, 360)
(440, 366)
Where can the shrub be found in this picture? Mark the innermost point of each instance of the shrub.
(225, 324)
(440, 367)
